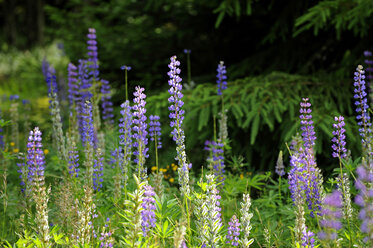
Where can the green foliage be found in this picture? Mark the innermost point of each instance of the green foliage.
(341, 15)
(266, 107)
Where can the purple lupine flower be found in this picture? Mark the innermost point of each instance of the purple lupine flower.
(177, 116)
(221, 78)
(139, 129)
(216, 159)
(87, 134)
(126, 67)
(98, 171)
(331, 213)
(296, 175)
(105, 240)
(35, 158)
(369, 63)
(73, 161)
(308, 239)
(339, 138)
(233, 231)
(148, 209)
(312, 176)
(107, 104)
(365, 198)
(155, 130)
(13, 97)
(72, 83)
(23, 172)
(44, 68)
(306, 122)
(362, 105)
(25, 101)
(51, 80)
(92, 53)
(187, 51)
(125, 137)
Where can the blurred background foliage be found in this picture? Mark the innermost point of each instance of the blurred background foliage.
(276, 52)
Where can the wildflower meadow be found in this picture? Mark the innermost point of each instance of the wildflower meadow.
(77, 169)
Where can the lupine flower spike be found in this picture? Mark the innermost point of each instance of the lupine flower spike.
(331, 213)
(245, 221)
(36, 167)
(365, 199)
(106, 103)
(155, 135)
(125, 140)
(140, 131)
(221, 78)
(361, 103)
(233, 231)
(177, 117)
(148, 207)
(92, 53)
(313, 178)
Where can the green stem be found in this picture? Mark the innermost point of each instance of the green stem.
(189, 69)
(279, 188)
(126, 82)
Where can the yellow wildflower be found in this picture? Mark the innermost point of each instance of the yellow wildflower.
(15, 150)
(241, 176)
(154, 168)
(12, 144)
(174, 168)
(46, 151)
(171, 180)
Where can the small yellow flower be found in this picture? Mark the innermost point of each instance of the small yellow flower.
(15, 150)
(167, 166)
(12, 144)
(174, 168)
(171, 180)
(154, 168)
(241, 176)
(46, 151)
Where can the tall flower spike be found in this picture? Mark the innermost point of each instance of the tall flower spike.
(216, 159)
(98, 170)
(73, 161)
(148, 207)
(312, 176)
(177, 116)
(306, 122)
(245, 221)
(139, 131)
(36, 166)
(155, 130)
(361, 103)
(365, 199)
(233, 231)
(125, 139)
(72, 83)
(339, 138)
(92, 53)
(107, 104)
(221, 78)
(332, 213)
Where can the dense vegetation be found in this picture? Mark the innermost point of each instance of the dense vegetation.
(95, 153)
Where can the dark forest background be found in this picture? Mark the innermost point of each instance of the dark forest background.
(315, 44)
